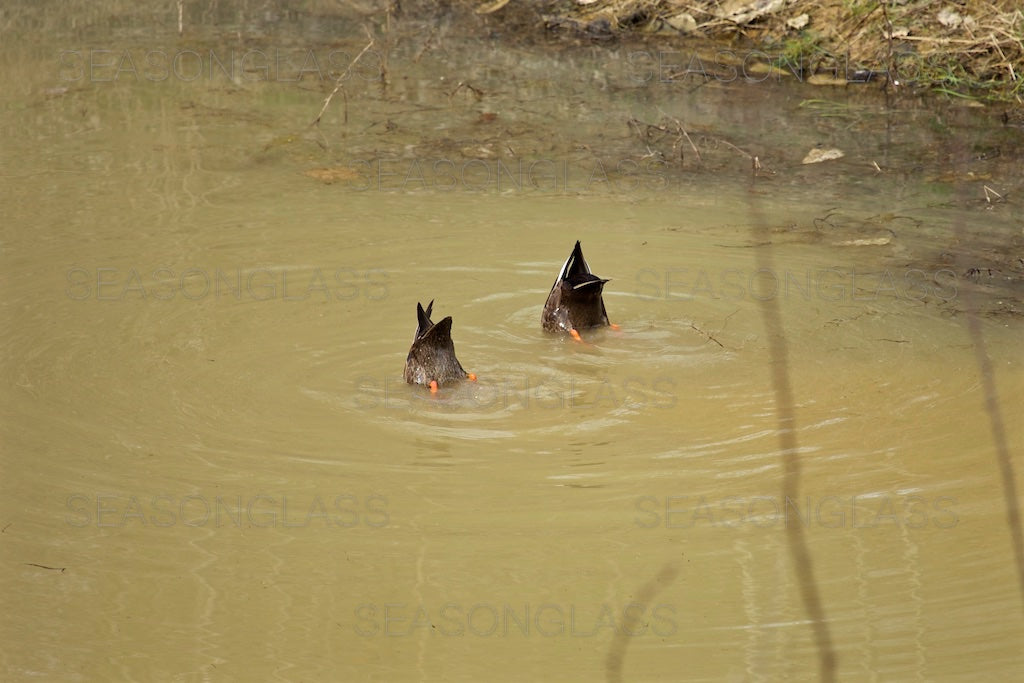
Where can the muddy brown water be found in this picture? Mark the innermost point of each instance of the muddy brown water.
(213, 471)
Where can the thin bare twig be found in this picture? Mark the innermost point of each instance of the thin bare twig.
(890, 61)
(989, 193)
(707, 334)
(341, 79)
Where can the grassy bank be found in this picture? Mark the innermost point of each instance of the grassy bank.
(968, 48)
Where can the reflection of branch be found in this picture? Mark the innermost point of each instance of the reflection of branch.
(341, 79)
(426, 45)
(726, 142)
(644, 131)
(464, 84)
(679, 127)
(636, 126)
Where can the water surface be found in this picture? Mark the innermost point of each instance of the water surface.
(213, 470)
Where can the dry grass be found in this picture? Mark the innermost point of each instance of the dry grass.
(968, 47)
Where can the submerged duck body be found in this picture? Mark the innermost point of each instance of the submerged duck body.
(575, 301)
(431, 358)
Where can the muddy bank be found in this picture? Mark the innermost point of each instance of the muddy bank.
(542, 98)
(647, 110)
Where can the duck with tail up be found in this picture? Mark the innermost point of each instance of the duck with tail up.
(431, 360)
(575, 301)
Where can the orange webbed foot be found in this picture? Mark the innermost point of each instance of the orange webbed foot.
(615, 327)
(433, 386)
(472, 376)
(575, 334)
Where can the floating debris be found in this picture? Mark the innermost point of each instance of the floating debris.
(867, 242)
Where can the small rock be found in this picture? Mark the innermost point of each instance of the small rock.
(949, 17)
(799, 21)
(684, 23)
(743, 12)
(817, 155)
